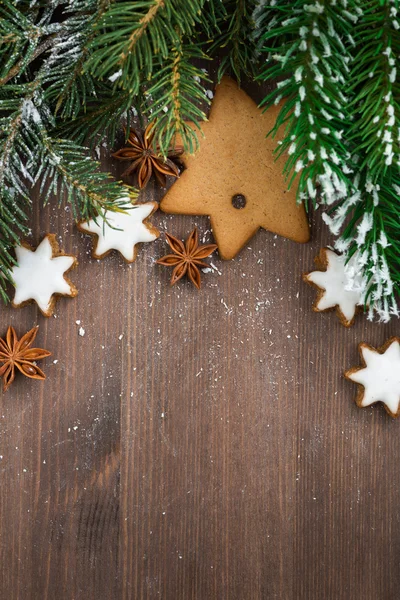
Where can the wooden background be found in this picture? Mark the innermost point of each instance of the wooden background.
(195, 446)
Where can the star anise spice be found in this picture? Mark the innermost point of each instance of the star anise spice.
(147, 159)
(187, 257)
(15, 353)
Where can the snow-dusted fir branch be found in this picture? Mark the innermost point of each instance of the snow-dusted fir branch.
(15, 177)
(14, 196)
(369, 218)
(306, 50)
(29, 147)
(22, 39)
(68, 86)
(368, 226)
(374, 83)
(62, 167)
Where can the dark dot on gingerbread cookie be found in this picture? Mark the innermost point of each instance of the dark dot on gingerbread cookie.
(239, 201)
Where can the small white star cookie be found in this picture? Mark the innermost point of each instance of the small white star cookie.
(122, 231)
(379, 377)
(39, 275)
(331, 282)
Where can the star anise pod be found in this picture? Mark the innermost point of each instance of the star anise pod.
(15, 353)
(146, 159)
(187, 257)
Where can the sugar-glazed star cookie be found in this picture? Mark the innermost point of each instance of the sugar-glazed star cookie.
(235, 178)
(331, 282)
(122, 231)
(379, 377)
(39, 275)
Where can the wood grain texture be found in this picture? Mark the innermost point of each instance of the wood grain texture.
(195, 446)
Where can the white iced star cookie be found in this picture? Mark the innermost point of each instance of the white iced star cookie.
(331, 282)
(39, 275)
(122, 231)
(379, 377)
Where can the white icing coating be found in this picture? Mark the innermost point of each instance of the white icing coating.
(129, 230)
(334, 281)
(38, 275)
(381, 377)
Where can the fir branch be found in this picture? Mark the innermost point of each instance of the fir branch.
(102, 118)
(29, 149)
(67, 171)
(39, 155)
(176, 95)
(376, 88)
(370, 219)
(304, 48)
(14, 196)
(235, 34)
(13, 102)
(19, 66)
(19, 38)
(12, 208)
(68, 86)
(133, 35)
(342, 146)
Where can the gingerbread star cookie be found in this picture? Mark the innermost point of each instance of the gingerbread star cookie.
(234, 177)
(121, 231)
(332, 283)
(39, 275)
(379, 377)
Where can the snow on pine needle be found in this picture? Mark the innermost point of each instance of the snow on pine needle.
(369, 218)
(306, 51)
(369, 223)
